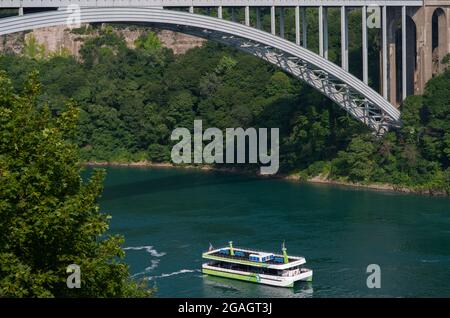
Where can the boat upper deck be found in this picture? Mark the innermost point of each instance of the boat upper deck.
(254, 258)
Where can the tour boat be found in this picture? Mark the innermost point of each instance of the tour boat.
(255, 266)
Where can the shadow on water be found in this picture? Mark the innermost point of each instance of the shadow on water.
(233, 288)
(173, 183)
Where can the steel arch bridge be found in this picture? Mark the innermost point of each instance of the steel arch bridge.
(350, 93)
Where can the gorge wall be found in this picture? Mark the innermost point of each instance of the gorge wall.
(59, 38)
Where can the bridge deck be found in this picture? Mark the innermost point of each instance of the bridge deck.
(205, 3)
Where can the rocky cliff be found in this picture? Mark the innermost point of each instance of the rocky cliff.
(59, 38)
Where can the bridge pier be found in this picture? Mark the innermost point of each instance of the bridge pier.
(415, 39)
(433, 41)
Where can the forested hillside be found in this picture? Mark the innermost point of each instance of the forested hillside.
(132, 99)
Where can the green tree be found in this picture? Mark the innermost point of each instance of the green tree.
(412, 126)
(49, 216)
(225, 65)
(148, 42)
(436, 117)
(357, 161)
(33, 49)
(279, 84)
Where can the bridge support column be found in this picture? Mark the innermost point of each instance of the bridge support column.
(344, 38)
(404, 55)
(258, 18)
(323, 32)
(20, 11)
(282, 22)
(423, 20)
(297, 25)
(247, 15)
(304, 27)
(191, 9)
(394, 47)
(365, 58)
(384, 59)
(420, 21)
(220, 12)
(272, 20)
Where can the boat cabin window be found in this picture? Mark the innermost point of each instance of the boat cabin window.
(257, 270)
(261, 258)
(279, 260)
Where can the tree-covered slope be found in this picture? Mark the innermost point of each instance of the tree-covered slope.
(132, 99)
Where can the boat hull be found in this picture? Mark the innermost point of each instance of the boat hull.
(277, 281)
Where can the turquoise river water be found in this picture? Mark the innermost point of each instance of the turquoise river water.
(169, 216)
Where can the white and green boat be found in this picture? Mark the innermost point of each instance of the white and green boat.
(255, 266)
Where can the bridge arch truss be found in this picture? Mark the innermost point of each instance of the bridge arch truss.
(350, 93)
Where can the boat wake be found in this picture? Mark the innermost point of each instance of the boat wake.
(182, 271)
(148, 248)
(430, 261)
(153, 262)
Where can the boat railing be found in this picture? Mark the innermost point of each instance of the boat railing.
(232, 256)
(241, 258)
(238, 248)
(285, 273)
(251, 250)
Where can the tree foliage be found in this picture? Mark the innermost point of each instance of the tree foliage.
(49, 216)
